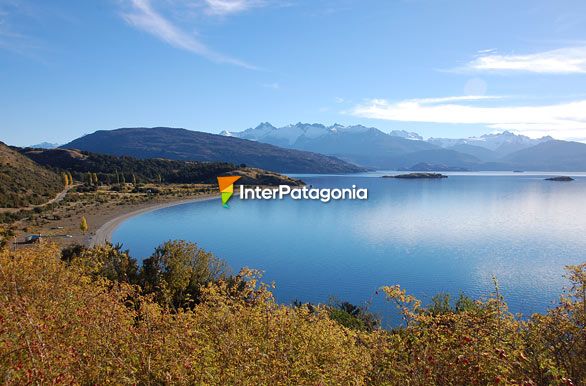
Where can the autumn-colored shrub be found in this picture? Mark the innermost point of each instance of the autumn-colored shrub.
(61, 322)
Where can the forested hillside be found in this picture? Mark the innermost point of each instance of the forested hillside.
(112, 169)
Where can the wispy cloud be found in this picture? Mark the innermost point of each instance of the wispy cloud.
(563, 120)
(13, 14)
(7, 35)
(569, 60)
(142, 14)
(227, 7)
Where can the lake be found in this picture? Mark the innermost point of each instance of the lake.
(448, 235)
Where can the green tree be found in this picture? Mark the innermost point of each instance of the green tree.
(351, 316)
(83, 225)
(177, 270)
(95, 179)
(440, 304)
(133, 180)
(108, 261)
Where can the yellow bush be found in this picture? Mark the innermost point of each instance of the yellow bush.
(60, 323)
(57, 325)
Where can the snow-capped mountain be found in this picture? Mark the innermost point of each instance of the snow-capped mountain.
(370, 147)
(45, 145)
(359, 144)
(501, 143)
(288, 135)
(406, 135)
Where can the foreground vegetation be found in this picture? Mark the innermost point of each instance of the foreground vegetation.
(93, 316)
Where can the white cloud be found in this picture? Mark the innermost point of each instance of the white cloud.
(142, 15)
(563, 120)
(570, 60)
(226, 7)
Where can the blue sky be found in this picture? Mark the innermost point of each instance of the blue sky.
(439, 67)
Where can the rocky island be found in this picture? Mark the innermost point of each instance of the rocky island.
(418, 175)
(560, 178)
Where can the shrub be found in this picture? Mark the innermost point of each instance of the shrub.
(60, 322)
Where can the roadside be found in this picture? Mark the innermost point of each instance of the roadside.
(58, 198)
(103, 211)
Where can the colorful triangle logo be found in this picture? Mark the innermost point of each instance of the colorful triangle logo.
(226, 185)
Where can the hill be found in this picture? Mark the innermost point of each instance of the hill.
(447, 158)
(24, 182)
(479, 152)
(110, 169)
(181, 144)
(551, 155)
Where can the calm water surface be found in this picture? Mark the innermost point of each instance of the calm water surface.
(429, 236)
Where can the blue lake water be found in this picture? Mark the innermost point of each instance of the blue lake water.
(429, 236)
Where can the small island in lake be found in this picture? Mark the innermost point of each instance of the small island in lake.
(418, 175)
(560, 178)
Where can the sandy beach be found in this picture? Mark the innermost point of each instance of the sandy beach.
(104, 231)
(62, 225)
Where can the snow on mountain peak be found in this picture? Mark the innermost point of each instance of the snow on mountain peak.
(406, 135)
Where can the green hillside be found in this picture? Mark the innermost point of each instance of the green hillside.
(112, 169)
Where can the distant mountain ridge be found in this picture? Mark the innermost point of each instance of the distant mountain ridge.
(45, 145)
(551, 155)
(317, 148)
(358, 144)
(399, 149)
(501, 144)
(301, 132)
(187, 145)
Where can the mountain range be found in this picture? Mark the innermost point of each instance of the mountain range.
(372, 148)
(187, 145)
(317, 148)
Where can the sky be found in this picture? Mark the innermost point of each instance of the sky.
(441, 68)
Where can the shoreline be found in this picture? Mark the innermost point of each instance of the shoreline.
(105, 231)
